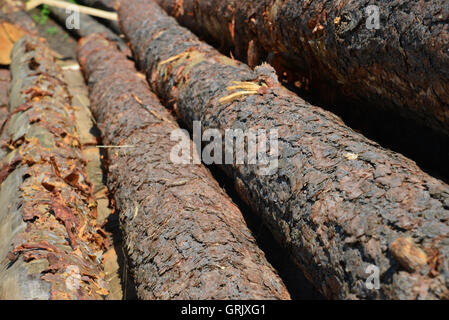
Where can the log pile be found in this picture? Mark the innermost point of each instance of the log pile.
(184, 236)
(337, 49)
(358, 220)
(338, 201)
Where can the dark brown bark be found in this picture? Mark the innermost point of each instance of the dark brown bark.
(50, 244)
(338, 201)
(403, 66)
(185, 238)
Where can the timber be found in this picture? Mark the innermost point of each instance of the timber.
(51, 245)
(335, 49)
(88, 25)
(338, 202)
(184, 236)
(67, 6)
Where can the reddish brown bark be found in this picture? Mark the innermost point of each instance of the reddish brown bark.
(328, 47)
(338, 201)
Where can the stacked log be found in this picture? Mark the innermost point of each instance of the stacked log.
(339, 202)
(392, 55)
(184, 236)
(51, 245)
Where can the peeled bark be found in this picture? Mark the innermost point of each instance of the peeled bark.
(185, 238)
(326, 45)
(4, 85)
(338, 201)
(51, 244)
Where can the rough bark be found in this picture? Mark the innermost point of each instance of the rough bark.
(401, 66)
(338, 201)
(185, 238)
(51, 244)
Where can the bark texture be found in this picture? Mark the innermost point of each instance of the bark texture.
(338, 201)
(184, 236)
(51, 245)
(403, 66)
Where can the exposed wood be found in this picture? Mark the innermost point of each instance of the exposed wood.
(51, 243)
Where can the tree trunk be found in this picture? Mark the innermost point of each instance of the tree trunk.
(51, 244)
(331, 47)
(337, 201)
(185, 238)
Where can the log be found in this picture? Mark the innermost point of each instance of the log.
(88, 25)
(31, 4)
(12, 12)
(184, 236)
(51, 245)
(328, 46)
(116, 275)
(340, 203)
(109, 5)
